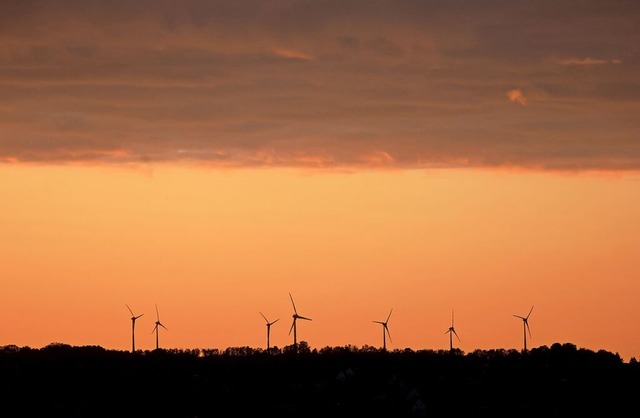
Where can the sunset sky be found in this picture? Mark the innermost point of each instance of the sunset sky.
(212, 157)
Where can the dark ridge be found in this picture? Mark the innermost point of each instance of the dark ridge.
(90, 381)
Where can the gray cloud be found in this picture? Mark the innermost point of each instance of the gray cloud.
(322, 83)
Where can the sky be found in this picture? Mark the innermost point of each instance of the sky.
(209, 158)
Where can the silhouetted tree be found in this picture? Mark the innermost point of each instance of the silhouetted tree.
(561, 380)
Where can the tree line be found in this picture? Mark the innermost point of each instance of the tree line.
(90, 381)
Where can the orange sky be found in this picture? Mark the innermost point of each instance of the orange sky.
(214, 248)
(213, 156)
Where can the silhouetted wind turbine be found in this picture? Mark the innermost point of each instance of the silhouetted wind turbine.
(452, 331)
(156, 329)
(133, 328)
(525, 324)
(293, 325)
(269, 328)
(385, 330)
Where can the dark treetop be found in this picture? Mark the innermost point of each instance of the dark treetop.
(89, 381)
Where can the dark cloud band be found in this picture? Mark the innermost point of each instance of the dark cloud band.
(325, 84)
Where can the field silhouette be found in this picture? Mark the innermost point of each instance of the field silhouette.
(90, 381)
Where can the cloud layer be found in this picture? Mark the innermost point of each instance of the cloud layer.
(322, 83)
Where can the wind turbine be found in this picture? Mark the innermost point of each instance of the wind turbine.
(525, 324)
(385, 331)
(268, 328)
(452, 331)
(293, 325)
(133, 328)
(156, 329)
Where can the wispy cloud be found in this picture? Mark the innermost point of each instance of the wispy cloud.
(287, 53)
(516, 96)
(589, 61)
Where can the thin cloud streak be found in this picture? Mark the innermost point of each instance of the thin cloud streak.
(391, 84)
(590, 61)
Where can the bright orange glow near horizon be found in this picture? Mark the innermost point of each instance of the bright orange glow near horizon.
(214, 248)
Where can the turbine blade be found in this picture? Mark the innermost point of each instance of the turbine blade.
(530, 312)
(275, 321)
(389, 315)
(293, 303)
(388, 333)
(130, 310)
(303, 317)
(518, 316)
(526, 324)
(157, 313)
(456, 334)
(293, 324)
(265, 318)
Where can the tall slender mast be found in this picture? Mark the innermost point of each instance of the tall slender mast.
(133, 329)
(293, 325)
(385, 330)
(525, 327)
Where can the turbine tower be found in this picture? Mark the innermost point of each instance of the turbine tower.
(269, 329)
(293, 325)
(525, 324)
(133, 329)
(385, 331)
(451, 332)
(156, 329)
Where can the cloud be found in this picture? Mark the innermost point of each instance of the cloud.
(379, 158)
(286, 53)
(391, 83)
(516, 96)
(589, 61)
